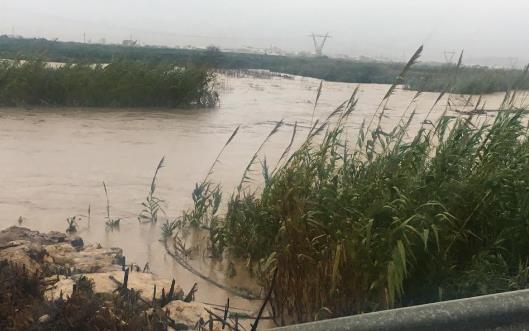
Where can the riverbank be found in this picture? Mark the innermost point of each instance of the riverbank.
(55, 281)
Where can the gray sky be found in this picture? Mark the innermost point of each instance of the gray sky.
(381, 28)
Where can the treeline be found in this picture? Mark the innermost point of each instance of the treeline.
(426, 77)
(323, 67)
(118, 84)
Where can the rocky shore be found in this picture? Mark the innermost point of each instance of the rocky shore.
(65, 270)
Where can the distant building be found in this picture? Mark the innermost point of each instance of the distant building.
(129, 42)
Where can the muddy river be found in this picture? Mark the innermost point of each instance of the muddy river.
(53, 161)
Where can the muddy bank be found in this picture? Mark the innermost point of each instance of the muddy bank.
(55, 281)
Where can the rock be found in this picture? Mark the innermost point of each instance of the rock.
(38, 251)
(56, 237)
(64, 286)
(33, 249)
(88, 260)
(189, 313)
(104, 283)
(15, 233)
(13, 243)
(61, 253)
(20, 256)
(44, 318)
(77, 242)
(25, 253)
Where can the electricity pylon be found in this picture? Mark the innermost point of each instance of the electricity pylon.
(449, 56)
(319, 42)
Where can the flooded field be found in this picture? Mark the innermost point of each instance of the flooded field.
(53, 161)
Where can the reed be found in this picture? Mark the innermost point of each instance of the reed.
(398, 218)
(435, 217)
(152, 204)
(111, 223)
(392, 218)
(118, 84)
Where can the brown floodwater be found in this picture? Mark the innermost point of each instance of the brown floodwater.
(53, 161)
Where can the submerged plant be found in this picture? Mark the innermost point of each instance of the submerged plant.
(206, 202)
(176, 231)
(207, 197)
(168, 228)
(111, 223)
(152, 204)
(72, 224)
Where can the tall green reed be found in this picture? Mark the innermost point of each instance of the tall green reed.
(152, 204)
(398, 217)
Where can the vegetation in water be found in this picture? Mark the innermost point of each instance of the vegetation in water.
(390, 221)
(152, 204)
(72, 224)
(111, 223)
(118, 84)
(168, 228)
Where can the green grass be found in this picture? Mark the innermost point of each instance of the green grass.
(119, 84)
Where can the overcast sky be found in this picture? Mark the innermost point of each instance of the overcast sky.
(381, 28)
